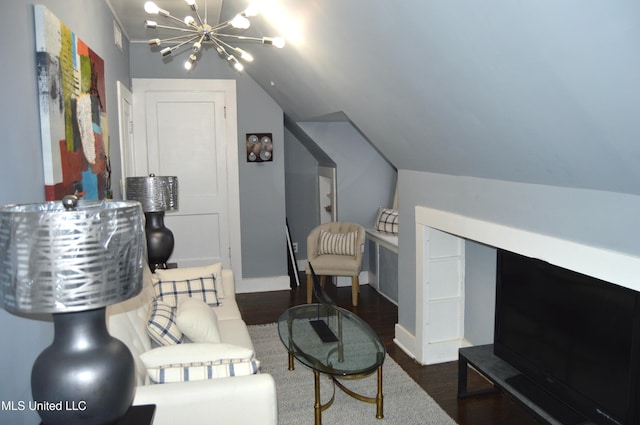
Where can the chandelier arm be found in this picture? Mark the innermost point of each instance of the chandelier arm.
(177, 37)
(216, 42)
(224, 43)
(239, 37)
(174, 18)
(223, 25)
(179, 45)
(189, 30)
(198, 44)
(194, 8)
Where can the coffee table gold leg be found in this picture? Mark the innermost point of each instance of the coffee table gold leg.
(379, 397)
(317, 406)
(291, 362)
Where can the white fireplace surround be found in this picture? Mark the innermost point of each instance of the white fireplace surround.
(440, 237)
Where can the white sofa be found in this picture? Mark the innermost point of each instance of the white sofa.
(234, 400)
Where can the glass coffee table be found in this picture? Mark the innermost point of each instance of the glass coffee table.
(333, 341)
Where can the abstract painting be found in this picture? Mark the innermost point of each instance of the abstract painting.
(73, 119)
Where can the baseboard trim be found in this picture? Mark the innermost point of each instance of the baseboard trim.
(302, 264)
(341, 281)
(263, 284)
(405, 340)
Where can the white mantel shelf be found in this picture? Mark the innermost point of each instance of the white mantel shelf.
(440, 285)
(611, 266)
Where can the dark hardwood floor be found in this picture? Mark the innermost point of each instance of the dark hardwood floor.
(439, 381)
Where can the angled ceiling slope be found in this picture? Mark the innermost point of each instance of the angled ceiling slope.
(541, 92)
(316, 151)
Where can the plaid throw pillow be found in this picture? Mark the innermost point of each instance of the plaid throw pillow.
(387, 221)
(338, 243)
(161, 323)
(203, 288)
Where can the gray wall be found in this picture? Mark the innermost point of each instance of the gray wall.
(480, 292)
(602, 219)
(301, 178)
(21, 175)
(365, 180)
(262, 192)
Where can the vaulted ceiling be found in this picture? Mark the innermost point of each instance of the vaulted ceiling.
(542, 92)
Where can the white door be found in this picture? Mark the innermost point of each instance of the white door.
(187, 128)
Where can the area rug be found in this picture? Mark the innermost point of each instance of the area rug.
(405, 403)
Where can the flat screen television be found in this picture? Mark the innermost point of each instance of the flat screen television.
(574, 337)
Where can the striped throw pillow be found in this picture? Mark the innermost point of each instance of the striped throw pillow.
(161, 323)
(199, 371)
(338, 243)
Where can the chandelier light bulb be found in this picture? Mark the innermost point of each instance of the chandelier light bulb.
(240, 22)
(197, 33)
(188, 65)
(236, 63)
(151, 8)
(274, 41)
(252, 10)
(244, 55)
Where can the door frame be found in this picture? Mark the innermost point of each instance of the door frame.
(228, 87)
(125, 131)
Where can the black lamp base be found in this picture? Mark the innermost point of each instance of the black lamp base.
(85, 377)
(160, 241)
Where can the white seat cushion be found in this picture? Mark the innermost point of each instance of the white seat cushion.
(235, 332)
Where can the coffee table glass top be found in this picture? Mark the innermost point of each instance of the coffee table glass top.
(356, 348)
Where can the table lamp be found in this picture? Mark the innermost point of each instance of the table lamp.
(157, 194)
(73, 259)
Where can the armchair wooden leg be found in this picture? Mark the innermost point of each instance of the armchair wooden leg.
(355, 288)
(309, 288)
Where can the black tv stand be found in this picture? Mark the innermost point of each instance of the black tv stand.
(509, 380)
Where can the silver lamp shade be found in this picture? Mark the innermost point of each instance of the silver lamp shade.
(72, 259)
(54, 260)
(155, 193)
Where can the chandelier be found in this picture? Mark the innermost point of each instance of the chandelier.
(196, 32)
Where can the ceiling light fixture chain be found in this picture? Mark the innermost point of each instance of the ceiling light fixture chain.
(198, 32)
